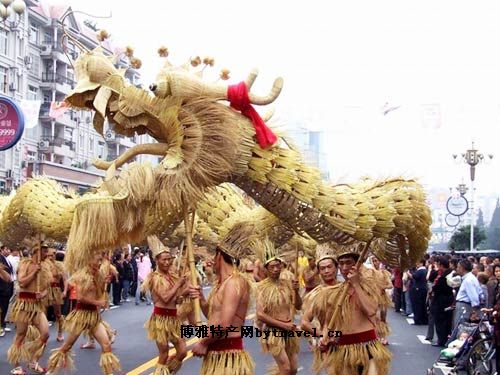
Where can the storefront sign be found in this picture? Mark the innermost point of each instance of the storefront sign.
(11, 123)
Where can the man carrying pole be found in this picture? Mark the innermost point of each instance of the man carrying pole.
(164, 326)
(354, 303)
(226, 306)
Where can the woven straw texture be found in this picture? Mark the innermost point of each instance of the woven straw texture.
(204, 142)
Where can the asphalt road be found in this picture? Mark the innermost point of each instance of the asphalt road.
(410, 355)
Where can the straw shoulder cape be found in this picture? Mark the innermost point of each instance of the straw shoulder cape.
(87, 282)
(326, 299)
(45, 273)
(157, 281)
(272, 295)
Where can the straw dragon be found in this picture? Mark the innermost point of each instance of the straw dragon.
(204, 142)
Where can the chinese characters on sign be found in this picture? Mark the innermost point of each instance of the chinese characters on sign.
(11, 123)
(220, 332)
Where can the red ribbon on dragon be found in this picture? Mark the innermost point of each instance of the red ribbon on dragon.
(239, 100)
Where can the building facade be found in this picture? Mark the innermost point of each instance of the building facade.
(35, 64)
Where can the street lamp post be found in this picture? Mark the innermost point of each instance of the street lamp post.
(9, 6)
(472, 157)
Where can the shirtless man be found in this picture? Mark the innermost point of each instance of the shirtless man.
(385, 280)
(276, 300)
(55, 296)
(90, 284)
(327, 268)
(109, 273)
(164, 326)
(226, 306)
(34, 278)
(311, 276)
(358, 350)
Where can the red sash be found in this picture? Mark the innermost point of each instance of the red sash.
(86, 306)
(164, 312)
(27, 295)
(223, 345)
(357, 338)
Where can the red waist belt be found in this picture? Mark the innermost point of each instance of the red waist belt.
(357, 338)
(164, 312)
(55, 285)
(86, 306)
(230, 343)
(27, 295)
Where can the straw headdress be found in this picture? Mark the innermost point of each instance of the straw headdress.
(354, 249)
(324, 251)
(238, 243)
(267, 252)
(157, 246)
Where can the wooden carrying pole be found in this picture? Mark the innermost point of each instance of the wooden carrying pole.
(38, 259)
(342, 297)
(189, 224)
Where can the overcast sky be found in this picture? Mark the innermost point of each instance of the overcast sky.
(438, 61)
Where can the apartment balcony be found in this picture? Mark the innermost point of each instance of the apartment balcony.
(68, 119)
(52, 50)
(57, 81)
(58, 146)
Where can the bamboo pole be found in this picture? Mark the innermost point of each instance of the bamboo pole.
(189, 223)
(38, 260)
(296, 262)
(342, 297)
(180, 255)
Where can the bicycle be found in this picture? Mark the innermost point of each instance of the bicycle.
(481, 356)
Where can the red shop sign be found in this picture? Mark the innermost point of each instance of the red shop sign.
(11, 123)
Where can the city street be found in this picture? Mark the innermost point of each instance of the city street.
(137, 354)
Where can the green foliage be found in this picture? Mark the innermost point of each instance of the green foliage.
(460, 240)
(494, 230)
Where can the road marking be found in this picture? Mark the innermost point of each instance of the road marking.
(152, 362)
(300, 369)
(423, 340)
(410, 321)
(147, 365)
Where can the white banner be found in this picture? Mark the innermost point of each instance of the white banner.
(31, 111)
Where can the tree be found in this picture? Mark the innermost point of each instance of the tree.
(460, 240)
(480, 219)
(494, 229)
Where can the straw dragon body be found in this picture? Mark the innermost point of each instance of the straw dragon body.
(204, 142)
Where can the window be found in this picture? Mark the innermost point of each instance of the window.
(4, 47)
(35, 64)
(91, 143)
(2, 160)
(3, 79)
(100, 149)
(33, 34)
(47, 38)
(31, 133)
(32, 92)
(82, 142)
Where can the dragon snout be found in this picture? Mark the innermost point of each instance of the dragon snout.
(153, 87)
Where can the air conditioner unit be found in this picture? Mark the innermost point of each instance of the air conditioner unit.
(17, 147)
(44, 144)
(109, 135)
(28, 60)
(31, 158)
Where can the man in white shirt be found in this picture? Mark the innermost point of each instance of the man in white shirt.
(468, 296)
